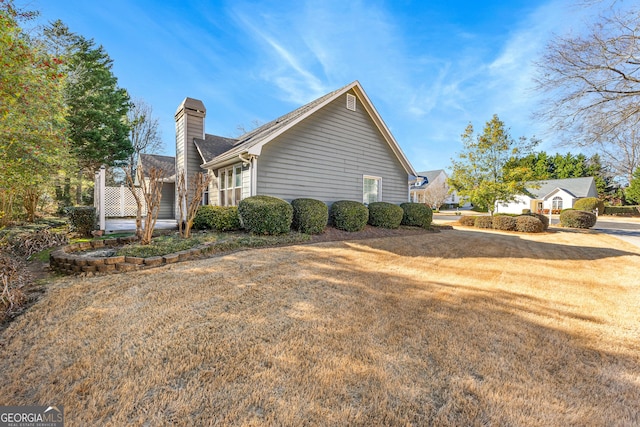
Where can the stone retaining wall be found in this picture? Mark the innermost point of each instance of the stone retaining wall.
(66, 260)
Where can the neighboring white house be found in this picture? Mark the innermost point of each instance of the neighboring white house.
(434, 182)
(554, 194)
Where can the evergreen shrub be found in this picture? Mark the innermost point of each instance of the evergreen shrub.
(385, 215)
(573, 218)
(310, 216)
(265, 215)
(348, 215)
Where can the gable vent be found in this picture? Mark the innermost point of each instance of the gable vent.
(351, 102)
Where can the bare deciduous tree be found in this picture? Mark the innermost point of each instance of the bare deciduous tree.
(592, 87)
(189, 200)
(435, 195)
(152, 195)
(144, 135)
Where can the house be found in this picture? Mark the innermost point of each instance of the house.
(554, 194)
(334, 148)
(429, 184)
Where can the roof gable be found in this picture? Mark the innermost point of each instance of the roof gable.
(253, 141)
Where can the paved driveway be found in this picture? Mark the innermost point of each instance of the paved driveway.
(627, 229)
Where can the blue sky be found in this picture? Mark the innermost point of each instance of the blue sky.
(429, 67)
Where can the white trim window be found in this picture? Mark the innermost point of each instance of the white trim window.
(230, 185)
(556, 203)
(371, 189)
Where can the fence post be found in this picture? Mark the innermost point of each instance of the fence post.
(101, 209)
(122, 207)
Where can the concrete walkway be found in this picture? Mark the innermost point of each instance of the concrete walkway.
(124, 225)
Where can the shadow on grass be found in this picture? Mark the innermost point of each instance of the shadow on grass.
(502, 246)
(314, 335)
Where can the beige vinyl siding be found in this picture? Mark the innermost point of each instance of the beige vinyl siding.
(195, 127)
(167, 201)
(180, 142)
(326, 156)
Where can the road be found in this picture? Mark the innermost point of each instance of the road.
(627, 229)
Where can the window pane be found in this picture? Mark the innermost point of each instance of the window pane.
(229, 198)
(370, 190)
(222, 198)
(238, 176)
(229, 179)
(222, 180)
(238, 195)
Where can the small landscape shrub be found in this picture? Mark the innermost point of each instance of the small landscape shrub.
(504, 222)
(349, 215)
(484, 222)
(589, 204)
(577, 219)
(543, 218)
(265, 215)
(526, 211)
(310, 216)
(529, 224)
(82, 219)
(385, 215)
(416, 215)
(468, 220)
(219, 218)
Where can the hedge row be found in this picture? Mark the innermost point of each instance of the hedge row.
(530, 222)
(271, 215)
(526, 223)
(622, 210)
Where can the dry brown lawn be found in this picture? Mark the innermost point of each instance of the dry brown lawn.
(462, 327)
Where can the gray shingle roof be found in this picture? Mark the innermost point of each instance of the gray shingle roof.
(213, 145)
(166, 163)
(430, 175)
(578, 187)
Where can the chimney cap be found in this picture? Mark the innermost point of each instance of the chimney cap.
(191, 104)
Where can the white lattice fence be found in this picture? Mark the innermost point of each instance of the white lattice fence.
(119, 202)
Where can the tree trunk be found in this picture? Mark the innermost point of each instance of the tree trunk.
(79, 189)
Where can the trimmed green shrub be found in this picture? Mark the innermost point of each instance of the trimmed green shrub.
(526, 211)
(543, 218)
(385, 215)
(219, 218)
(310, 216)
(529, 224)
(574, 218)
(622, 210)
(589, 204)
(416, 215)
(504, 222)
(468, 220)
(484, 222)
(82, 219)
(265, 215)
(349, 215)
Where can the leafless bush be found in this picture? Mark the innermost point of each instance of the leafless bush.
(12, 280)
